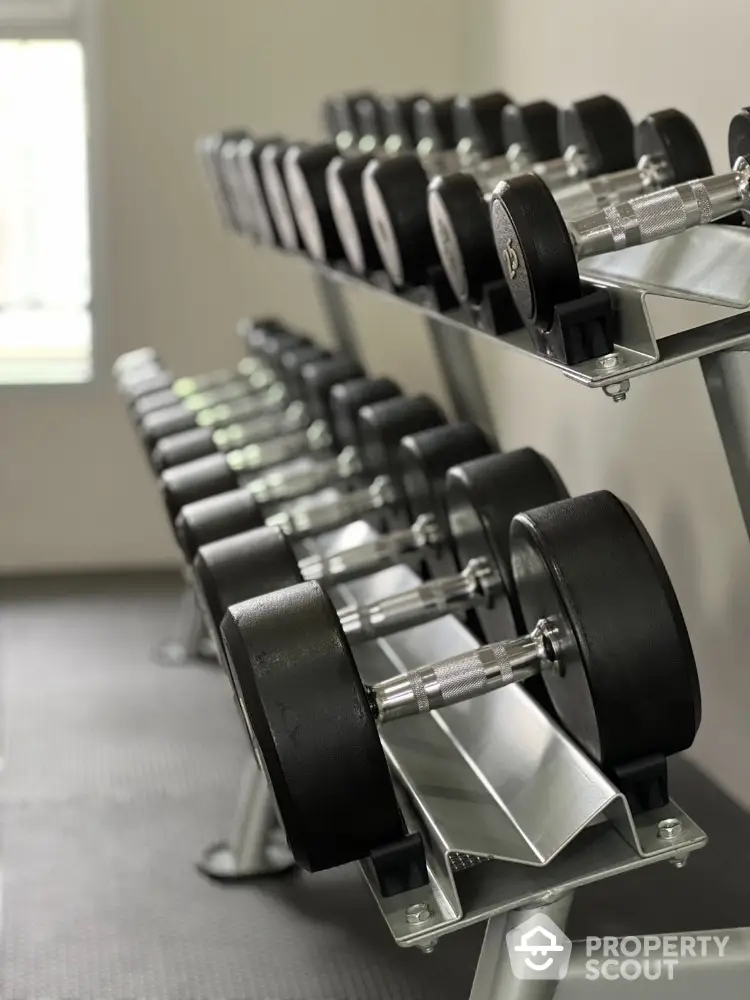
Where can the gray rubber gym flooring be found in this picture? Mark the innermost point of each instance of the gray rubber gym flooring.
(118, 772)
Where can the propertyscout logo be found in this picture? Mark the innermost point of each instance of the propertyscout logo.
(538, 949)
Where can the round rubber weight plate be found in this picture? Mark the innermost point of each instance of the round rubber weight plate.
(482, 498)
(534, 248)
(348, 398)
(629, 686)
(739, 144)
(216, 517)
(461, 228)
(161, 423)
(305, 174)
(425, 459)
(311, 725)
(153, 401)
(601, 128)
(382, 425)
(183, 447)
(344, 180)
(671, 136)
(272, 179)
(319, 377)
(242, 566)
(193, 481)
(395, 194)
(533, 127)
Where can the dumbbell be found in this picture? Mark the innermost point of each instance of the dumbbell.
(379, 489)
(473, 504)
(235, 400)
(668, 149)
(395, 190)
(539, 251)
(602, 628)
(216, 153)
(341, 127)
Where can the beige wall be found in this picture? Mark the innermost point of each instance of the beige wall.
(74, 491)
(660, 450)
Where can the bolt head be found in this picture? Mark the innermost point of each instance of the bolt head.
(669, 829)
(417, 913)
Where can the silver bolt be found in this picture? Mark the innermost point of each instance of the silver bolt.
(417, 913)
(608, 361)
(678, 862)
(618, 391)
(428, 946)
(670, 829)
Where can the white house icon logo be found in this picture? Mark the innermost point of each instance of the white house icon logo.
(538, 949)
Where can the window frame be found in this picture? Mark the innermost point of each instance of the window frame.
(78, 20)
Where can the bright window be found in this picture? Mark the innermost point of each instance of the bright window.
(45, 280)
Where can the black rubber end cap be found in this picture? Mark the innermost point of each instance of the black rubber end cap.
(461, 227)
(136, 389)
(344, 181)
(305, 171)
(395, 193)
(193, 481)
(670, 135)
(600, 128)
(480, 120)
(177, 449)
(152, 401)
(348, 398)
(216, 517)
(534, 248)
(433, 120)
(533, 127)
(170, 420)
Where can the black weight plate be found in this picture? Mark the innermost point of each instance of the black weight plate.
(533, 127)
(369, 121)
(433, 120)
(344, 182)
(292, 362)
(461, 228)
(398, 116)
(424, 459)
(195, 480)
(212, 518)
(153, 401)
(254, 153)
(480, 120)
(628, 688)
(482, 498)
(600, 128)
(395, 192)
(534, 247)
(382, 425)
(176, 449)
(319, 377)
(259, 332)
(242, 566)
(161, 423)
(277, 196)
(348, 398)
(671, 136)
(311, 725)
(305, 174)
(739, 144)
(156, 382)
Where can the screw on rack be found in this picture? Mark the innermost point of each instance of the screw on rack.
(618, 391)
(608, 361)
(417, 913)
(428, 946)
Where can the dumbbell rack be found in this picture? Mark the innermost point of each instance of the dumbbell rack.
(514, 817)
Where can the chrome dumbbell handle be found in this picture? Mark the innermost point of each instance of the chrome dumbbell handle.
(243, 407)
(662, 213)
(381, 553)
(267, 425)
(257, 456)
(473, 587)
(466, 676)
(292, 482)
(305, 519)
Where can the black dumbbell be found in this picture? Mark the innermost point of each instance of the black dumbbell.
(473, 504)
(603, 629)
(395, 190)
(237, 400)
(539, 251)
(668, 150)
(216, 154)
(379, 490)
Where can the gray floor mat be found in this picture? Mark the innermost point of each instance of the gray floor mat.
(118, 773)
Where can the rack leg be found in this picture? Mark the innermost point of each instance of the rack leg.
(495, 978)
(337, 312)
(191, 639)
(256, 844)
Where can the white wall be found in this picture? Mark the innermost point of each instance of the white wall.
(74, 491)
(660, 450)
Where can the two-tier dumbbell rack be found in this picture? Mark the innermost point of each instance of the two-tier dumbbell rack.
(493, 854)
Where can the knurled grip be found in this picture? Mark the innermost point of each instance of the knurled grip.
(465, 676)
